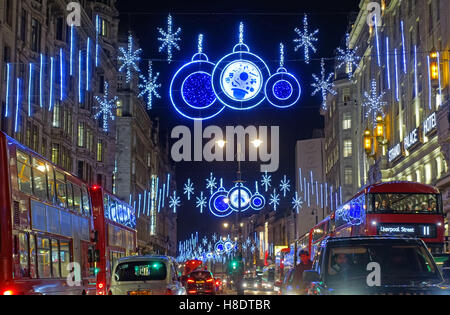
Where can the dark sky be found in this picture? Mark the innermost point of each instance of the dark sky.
(266, 25)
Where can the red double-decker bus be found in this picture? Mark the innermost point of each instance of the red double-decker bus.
(393, 208)
(116, 236)
(46, 226)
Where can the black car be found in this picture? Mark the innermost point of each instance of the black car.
(374, 265)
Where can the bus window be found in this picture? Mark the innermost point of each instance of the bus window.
(24, 173)
(64, 253)
(32, 256)
(61, 189)
(86, 203)
(39, 179)
(24, 255)
(43, 260)
(56, 272)
(51, 183)
(69, 195)
(77, 199)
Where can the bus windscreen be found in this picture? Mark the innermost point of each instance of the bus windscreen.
(405, 203)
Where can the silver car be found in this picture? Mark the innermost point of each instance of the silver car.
(146, 275)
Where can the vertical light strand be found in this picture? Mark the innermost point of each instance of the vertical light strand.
(72, 49)
(140, 197)
(168, 184)
(61, 74)
(18, 100)
(88, 63)
(30, 88)
(159, 200)
(281, 55)
(439, 77)
(163, 194)
(97, 44)
(429, 83)
(145, 200)
(326, 195)
(377, 41)
(52, 70)
(8, 88)
(300, 178)
(41, 82)
(321, 196)
(317, 193)
(388, 65)
(397, 94)
(200, 43)
(416, 78)
(404, 47)
(241, 33)
(80, 77)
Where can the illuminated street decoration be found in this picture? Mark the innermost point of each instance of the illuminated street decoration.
(219, 204)
(169, 39)
(374, 103)
(306, 39)
(285, 185)
(211, 183)
(188, 189)
(191, 91)
(282, 89)
(297, 202)
(266, 181)
(201, 202)
(348, 58)
(174, 202)
(105, 107)
(130, 59)
(274, 200)
(323, 84)
(258, 202)
(239, 191)
(149, 86)
(239, 77)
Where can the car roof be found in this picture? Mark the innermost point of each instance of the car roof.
(144, 258)
(374, 239)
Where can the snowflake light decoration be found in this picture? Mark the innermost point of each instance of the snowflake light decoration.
(274, 200)
(211, 183)
(349, 58)
(201, 202)
(297, 202)
(189, 189)
(306, 39)
(323, 85)
(169, 39)
(174, 202)
(266, 181)
(130, 59)
(285, 185)
(149, 86)
(105, 107)
(214, 237)
(374, 103)
(205, 241)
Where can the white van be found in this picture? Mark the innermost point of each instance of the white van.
(146, 275)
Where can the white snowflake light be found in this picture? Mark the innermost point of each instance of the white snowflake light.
(211, 183)
(306, 39)
(130, 59)
(149, 86)
(105, 107)
(266, 181)
(274, 200)
(323, 85)
(169, 39)
(201, 202)
(189, 189)
(285, 185)
(174, 202)
(349, 58)
(374, 103)
(297, 202)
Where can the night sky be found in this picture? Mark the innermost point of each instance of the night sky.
(266, 25)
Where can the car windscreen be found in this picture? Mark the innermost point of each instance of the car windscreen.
(398, 265)
(141, 271)
(201, 275)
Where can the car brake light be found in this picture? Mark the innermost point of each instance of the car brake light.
(8, 292)
(210, 280)
(190, 281)
(169, 292)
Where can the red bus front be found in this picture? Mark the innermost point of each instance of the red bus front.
(115, 227)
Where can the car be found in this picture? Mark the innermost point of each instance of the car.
(251, 284)
(146, 275)
(201, 282)
(374, 265)
(219, 285)
(286, 288)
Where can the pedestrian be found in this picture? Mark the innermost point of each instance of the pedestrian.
(305, 264)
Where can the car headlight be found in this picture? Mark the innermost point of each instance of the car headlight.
(244, 285)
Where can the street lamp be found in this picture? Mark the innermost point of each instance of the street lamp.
(379, 135)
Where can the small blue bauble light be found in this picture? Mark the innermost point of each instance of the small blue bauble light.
(282, 90)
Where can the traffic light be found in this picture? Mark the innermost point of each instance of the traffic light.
(236, 266)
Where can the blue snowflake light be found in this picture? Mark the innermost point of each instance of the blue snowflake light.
(297, 202)
(323, 85)
(306, 39)
(169, 39)
(201, 202)
(374, 103)
(174, 202)
(130, 59)
(105, 107)
(211, 183)
(149, 86)
(274, 200)
(266, 181)
(189, 189)
(348, 58)
(285, 185)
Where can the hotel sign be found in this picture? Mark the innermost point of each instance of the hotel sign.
(430, 125)
(412, 139)
(395, 153)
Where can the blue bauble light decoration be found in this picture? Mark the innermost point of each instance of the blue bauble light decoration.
(245, 195)
(238, 78)
(282, 90)
(191, 91)
(218, 204)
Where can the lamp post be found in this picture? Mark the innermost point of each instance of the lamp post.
(379, 136)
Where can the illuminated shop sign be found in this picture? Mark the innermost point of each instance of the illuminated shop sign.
(430, 125)
(395, 153)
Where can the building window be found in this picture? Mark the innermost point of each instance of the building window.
(348, 176)
(347, 121)
(35, 36)
(119, 111)
(81, 142)
(100, 151)
(56, 116)
(55, 154)
(348, 148)
(8, 12)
